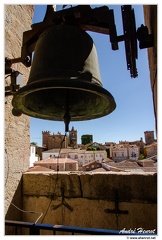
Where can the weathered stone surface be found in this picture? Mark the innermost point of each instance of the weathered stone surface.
(18, 18)
(87, 197)
(51, 184)
(150, 15)
(130, 187)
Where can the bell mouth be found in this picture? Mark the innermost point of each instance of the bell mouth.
(49, 99)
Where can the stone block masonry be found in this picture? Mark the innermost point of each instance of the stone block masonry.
(97, 200)
(18, 18)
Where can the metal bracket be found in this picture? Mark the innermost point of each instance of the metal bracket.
(100, 20)
(14, 87)
(116, 210)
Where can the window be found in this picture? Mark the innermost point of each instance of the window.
(70, 166)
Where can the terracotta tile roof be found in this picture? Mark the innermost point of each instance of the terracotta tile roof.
(56, 160)
(98, 170)
(39, 168)
(132, 166)
(125, 163)
(89, 163)
(107, 160)
(149, 169)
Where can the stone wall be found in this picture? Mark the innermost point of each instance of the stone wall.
(149, 137)
(150, 15)
(90, 199)
(150, 150)
(51, 141)
(18, 18)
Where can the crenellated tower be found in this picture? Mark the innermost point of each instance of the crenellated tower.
(45, 136)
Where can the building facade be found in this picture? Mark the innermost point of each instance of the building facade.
(58, 164)
(51, 141)
(82, 156)
(59, 140)
(133, 152)
(33, 158)
(119, 153)
(138, 143)
(122, 152)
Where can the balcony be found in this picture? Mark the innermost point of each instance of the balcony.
(39, 229)
(92, 203)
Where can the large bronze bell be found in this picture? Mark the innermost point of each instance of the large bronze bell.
(64, 82)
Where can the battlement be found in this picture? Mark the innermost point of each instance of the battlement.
(46, 132)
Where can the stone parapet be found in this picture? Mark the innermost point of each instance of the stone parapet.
(99, 200)
(131, 187)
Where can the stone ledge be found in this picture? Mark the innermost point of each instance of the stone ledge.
(132, 187)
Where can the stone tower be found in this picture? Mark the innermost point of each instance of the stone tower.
(45, 136)
(51, 141)
(73, 138)
(149, 137)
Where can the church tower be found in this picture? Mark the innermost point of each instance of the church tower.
(73, 138)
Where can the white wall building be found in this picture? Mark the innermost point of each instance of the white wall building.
(33, 158)
(50, 154)
(82, 156)
(133, 152)
(100, 155)
(121, 152)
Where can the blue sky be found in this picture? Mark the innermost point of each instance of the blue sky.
(134, 112)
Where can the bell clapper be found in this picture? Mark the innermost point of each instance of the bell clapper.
(67, 120)
(67, 116)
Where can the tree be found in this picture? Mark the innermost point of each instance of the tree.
(34, 143)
